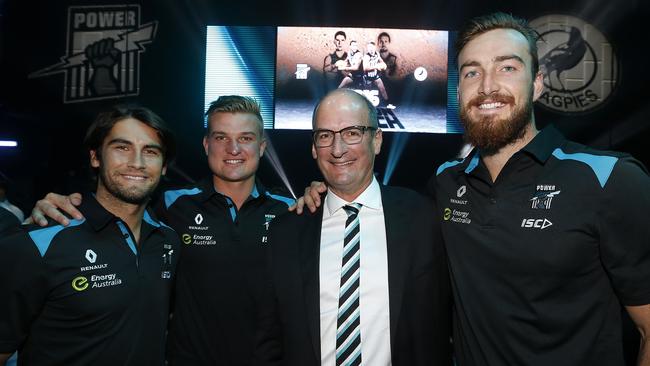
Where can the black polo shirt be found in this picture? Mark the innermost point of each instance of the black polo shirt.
(542, 258)
(220, 273)
(86, 294)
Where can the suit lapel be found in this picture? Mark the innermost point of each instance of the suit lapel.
(309, 259)
(396, 223)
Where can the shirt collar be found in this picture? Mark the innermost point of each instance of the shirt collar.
(208, 190)
(540, 147)
(96, 215)
(543, 144)
(99, 217)
(370, 198)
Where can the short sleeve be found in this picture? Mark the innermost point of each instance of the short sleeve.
(23, 288)
(624, 229)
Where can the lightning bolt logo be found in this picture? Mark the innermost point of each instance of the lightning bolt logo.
(103, 57)
(128, 41)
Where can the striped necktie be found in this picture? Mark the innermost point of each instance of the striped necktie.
(348, 325)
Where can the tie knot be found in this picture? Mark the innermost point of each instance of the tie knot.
(352, 209)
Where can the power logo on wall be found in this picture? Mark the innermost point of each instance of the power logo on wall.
(102, 59)
(579, 64)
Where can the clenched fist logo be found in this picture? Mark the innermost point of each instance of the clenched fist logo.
(102, 56)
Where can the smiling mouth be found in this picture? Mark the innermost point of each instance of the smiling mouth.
(342, 163)
(134, 177)
(489, 106)
(233, 161)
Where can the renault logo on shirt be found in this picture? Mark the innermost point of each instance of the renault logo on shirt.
(91, 256)
(461, 191)
(198, 219)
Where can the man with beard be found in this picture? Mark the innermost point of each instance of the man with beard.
(97, 291)
(546, 238)
(390, 59)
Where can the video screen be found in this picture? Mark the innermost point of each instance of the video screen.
(403, 72)
(241, 61)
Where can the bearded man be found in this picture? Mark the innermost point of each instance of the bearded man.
(547, 239)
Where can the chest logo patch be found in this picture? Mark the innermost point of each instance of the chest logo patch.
(457, 216)
(91, 256)
(198, 219)
(461, 191)
(543, 197)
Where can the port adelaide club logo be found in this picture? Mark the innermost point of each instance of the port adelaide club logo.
(579, 64)
(102, 57)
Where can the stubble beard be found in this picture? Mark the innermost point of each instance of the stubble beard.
(134, 195)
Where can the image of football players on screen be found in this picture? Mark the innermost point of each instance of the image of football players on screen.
(390, 59)
(351, 67)
(372, 66)
(331, 71)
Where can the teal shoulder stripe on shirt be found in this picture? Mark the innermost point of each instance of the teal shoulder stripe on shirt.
(255, 192)
(287, 200)
(42, 238)
(600, 164)
(448, 164)
(172, 196)
(149, 220)
(127, 236)
(472, 164)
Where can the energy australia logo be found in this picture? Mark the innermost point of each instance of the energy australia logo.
(579, 65)
(102, 59)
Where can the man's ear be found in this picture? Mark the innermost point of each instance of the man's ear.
(377, 140)
(538, 85)
(205, 145)
(262, 147)
(94, 159)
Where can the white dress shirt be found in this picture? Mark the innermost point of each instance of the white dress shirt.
(373, 283)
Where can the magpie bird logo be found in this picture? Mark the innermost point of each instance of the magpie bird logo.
(102, 60)
(579, 64)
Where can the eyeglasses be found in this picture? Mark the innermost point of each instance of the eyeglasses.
(350, 135)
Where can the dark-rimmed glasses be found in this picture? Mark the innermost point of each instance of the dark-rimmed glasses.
(350, 135)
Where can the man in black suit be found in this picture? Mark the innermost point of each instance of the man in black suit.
(366, 283)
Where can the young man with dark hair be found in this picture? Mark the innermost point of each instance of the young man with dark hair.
(223, 222)
(548, 240)
(97, 291)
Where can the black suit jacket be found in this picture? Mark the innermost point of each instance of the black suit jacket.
(418, 282)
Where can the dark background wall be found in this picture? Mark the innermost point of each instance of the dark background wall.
(50, 156)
